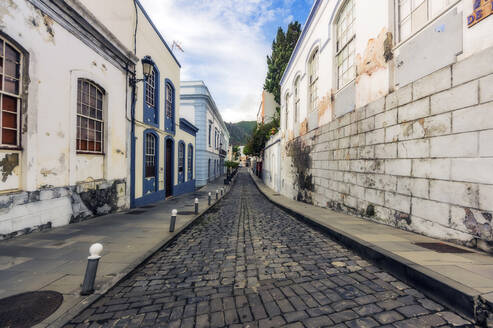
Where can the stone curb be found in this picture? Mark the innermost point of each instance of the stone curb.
(89, 300)
(434, 285)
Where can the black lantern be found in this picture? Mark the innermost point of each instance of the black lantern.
(147, 66)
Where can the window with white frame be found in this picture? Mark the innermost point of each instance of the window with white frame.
(346, 70)
(10, 94)
(313, 82)
(414, 14)
(150, 89)
(296, 99)
(170, 95)
(90, 123)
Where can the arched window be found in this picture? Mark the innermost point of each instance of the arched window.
(181, 162)
(313, 81)
(346, 70)
(10, 94)
(90, 119)
(169, 107)
(286, 115)
(150, 155)
(151, 96)
(296, 99)
(190, 163)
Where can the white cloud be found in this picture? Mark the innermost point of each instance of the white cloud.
(224, 46)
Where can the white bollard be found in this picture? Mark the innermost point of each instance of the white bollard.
(196, 206)
(173, 220)
(91, 269)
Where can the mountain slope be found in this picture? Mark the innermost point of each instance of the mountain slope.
(240, 132)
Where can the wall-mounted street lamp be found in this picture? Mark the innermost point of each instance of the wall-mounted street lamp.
(147, 64)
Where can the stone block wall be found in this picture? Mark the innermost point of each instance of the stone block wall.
(420, 159)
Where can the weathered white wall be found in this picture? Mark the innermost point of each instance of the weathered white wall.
(419, 159)
(49, 159)
(271, 163)
(417, 153)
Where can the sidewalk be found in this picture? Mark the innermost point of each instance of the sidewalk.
(460, 278)
(56, 259)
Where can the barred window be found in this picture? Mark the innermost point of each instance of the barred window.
(10, 99)
(150, 89)
(181, 157)
(181, 160)
(414, 14)
(150, 156)
(90, 123)
(296, 99)
(169, 100)
(313, 69)
(190, 162)
(346, 70)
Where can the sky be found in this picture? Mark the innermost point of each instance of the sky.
(225, 44)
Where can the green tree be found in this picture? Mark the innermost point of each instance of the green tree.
(282, 48)
(260, 135)
(236, 152)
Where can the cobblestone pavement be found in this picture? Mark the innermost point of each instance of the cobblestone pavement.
(249, 264)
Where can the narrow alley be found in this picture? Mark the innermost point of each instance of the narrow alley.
(247, 262)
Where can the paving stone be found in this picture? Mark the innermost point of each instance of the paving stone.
(412, 310)
(362, 323)
(368, 309)
(343, 316)
(295, 316)
(388, 317)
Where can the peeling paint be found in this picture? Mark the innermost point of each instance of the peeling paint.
(374, 56)
(324, 105)
(48, 22)
(8, 164)
(47, 172)
(43, 20)
(304, 127)
(5, 9)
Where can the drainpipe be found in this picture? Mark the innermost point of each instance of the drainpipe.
(132, 147)
(132, 113)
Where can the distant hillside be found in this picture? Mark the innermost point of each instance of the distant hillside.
(240, 132)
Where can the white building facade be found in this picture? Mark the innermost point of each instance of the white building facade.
(199, 108)
(271, 162)
(63, 146)
(386, 112)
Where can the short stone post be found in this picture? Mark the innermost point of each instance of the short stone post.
(222, 192)
(196, 206)
(173, 220)
(217, 194)
(91, 269)
(209, 200)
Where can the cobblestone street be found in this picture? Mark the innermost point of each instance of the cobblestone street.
(249, 264)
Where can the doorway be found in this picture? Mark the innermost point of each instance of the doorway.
(169, 167)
